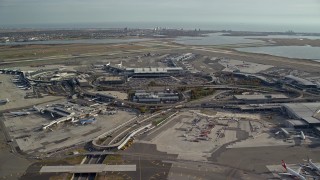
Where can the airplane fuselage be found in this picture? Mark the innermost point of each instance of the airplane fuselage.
(292, 172)
(314, 166)
(295, 174)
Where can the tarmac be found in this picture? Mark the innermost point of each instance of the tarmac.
(16, 96)
(12, 166)
(243, 66)
(31, 139)
(183, 135)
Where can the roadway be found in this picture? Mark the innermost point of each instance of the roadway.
(95, 159)
(114, 142)
(117, 137)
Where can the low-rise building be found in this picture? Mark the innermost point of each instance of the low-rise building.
(152, 72)
(147, 72)
(296, 123)
(300, 82)
(99, 96)
(155, 97)
(83, 82)
(303, 111)
(260, 98)
(110, 80)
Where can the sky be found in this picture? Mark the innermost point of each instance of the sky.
(289, 13)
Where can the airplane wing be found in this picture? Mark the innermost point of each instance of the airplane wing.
(299, 170)
(305, 166)
(312, 137)
(286, 174)
(296, 136)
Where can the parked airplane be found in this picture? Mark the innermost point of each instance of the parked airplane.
(5, 101)
(41, 110)
(119, 65)
(291, 172)
(303, 137)
(25, 88)
(285, 132)
(87, 121)
(111, 112)
(19, 113)
(312, 165)
(16, 80)
(108, 64)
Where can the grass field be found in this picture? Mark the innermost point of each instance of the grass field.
(8, 53)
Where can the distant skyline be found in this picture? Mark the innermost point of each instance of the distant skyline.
(298, 15)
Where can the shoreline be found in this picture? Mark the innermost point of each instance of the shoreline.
(25, 54)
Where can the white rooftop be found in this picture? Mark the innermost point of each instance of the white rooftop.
(261, 96)
(304, 111)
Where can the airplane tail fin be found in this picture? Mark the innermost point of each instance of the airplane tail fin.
(284, 165)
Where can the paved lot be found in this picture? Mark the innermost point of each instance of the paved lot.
(262, 140)
(182, 138)
(31, 139)
(11, 166)
(243, 66)
(276, 169)
(244, 158)
(257, 158)
(16, 96)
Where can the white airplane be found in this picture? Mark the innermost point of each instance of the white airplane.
(303, 137)
(291, 172)
(16, 80)
(108, 64)
(4, 101)
(87, 121)
(119, 65)
(41, 110)
(19, 113)
(312, 165)
(285, 132)
(25, 88)
(111, 112)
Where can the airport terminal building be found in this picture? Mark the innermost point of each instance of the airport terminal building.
(308, 114)
(260, 98)
(152, 72)
(155, 97)
(149, 72)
